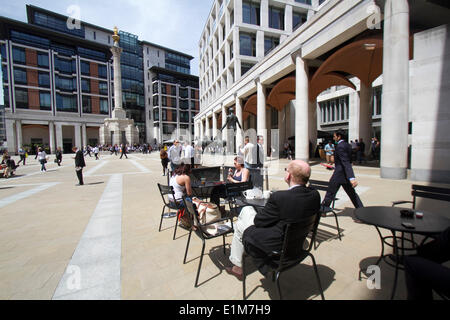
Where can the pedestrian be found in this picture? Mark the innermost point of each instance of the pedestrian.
(96, 152)
(260, 152)
(343, 174)
(174, 154)
(22, 154)
(329, 152)
(42, 157)
(123, 151)
(36, 150)
(58, 155)
(360, 153)
(79, 165)
(249, 153)
(189, 153)
(164, 160)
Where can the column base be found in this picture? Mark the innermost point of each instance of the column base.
(438, 176)
(393, 173)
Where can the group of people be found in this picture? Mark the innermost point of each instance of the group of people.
(8, 165)
(253, 153)
(177, 155)
(358, 148)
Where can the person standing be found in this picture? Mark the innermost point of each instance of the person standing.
(189, 153)
(360, 157)
(175, 155)
(79, 165)
(22, 153)
(58, 156)
(329, 153)
(42, 157)
(249, 153)
(96, 152)
(343, 174)
(164, 160)
(123, 150)
(260, 152)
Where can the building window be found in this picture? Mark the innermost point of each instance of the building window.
(183, 93)
(276, 18)
(65, 84)
(156, 114)
(298, 19)
(377, 93)
(21, 96)
(45, 100)
(104, 106)
(20, 76)
(103, 88)
(44, 79)
(65, 66)
(247, 44)
(245, 67)
(184, 116)
(173, 90)
(251, 13)
(85, 68)
(95, 36)
(155, 87)
(155, 101)
(184, 104)
(85, 85)
(164, 101)
(42, 60)
(305, 1)
(164, 114)
(102, 71)
(19, 55)
(66, 103)
(87, 106)
(174, 115)
(270, 43)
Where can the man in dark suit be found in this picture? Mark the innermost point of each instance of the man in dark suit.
(79, 164)
(343, 174)
(261, 231)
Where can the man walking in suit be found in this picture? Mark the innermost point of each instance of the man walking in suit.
(343, 174)
(123, 151)
(261, 232)
(79, 165)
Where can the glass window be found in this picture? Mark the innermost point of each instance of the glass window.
(87, 105)
(85, 85)
(102, 71)
(164, 114)
(184, 116)
(45, 100)
(184, 104)
(21, 96)
(66, 103)
(65, 84)
(103, 87)
(276, 18)
(44, 79)
(18, 55)
(42, 60)
(247, 44)
(298, 19)
(174, 115)
(6, 96)
(250, 13)
(270, 43)
(104, 106)
(304, 1)
(173, 90)
(20, 76)
(183, 92)
(164, 101)
(85, 68)
(156, 114)
(65, 65)
(5, 73)
(245, 67)
(155, 100)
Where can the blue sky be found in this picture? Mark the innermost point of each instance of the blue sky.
(175, 24)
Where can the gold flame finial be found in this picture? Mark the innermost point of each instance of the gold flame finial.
(116, 36)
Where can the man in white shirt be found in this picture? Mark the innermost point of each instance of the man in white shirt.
(175, 155)
(249, 152)
(189, 153)
(96, 152)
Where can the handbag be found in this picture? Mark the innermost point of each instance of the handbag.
(208, 212)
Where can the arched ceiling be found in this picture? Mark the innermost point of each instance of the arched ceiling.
(282, 93)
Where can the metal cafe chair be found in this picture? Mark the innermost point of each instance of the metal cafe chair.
(200, 231)
(292, 252)
(165, 191)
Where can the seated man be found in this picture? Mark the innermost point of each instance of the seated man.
(262, 232)
(424, 272)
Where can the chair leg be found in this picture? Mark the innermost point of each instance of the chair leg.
(176, 225)
(200, 264)
(224, 252)
(187, 247)
(162, 216)
(337, 225)
(277, 279)
(317, 276)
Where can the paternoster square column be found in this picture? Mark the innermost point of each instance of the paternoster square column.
(395, 99)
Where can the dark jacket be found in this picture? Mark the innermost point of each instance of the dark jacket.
(283, 207)
(79, 159)
(343, 170)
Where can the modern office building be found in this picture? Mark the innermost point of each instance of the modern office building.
(58, 80)
(373, 67)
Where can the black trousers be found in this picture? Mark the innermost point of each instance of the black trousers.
(424, 272)
(80, 176)
(333, 188)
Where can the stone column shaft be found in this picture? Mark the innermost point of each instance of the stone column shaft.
(301, 110)
(239, 132)
(261, 128)
(395, 99)
(51, 131)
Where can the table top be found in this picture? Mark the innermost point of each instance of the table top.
(208, 184)
(390, 218)
(251, 202)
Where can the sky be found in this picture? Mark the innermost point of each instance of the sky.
(175, 24)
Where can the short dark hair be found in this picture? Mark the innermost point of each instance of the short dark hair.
(339, 133)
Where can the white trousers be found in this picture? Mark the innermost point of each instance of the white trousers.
(244, 221)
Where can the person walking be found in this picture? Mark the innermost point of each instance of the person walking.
(329, 152)
(343, 174)
(164, 160)
(79, 165)
(42, 157)
(189, 153)
(123, 151)
(96, 152)
(58, 156)
(22, 154)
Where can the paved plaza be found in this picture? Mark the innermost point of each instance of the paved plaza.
(101, 240)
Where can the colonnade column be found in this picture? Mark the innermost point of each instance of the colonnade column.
(202, 130)
(261, 128)
(313, 126)
(239, 132)
(19, 134)
(59, 136)
(51, 132)
(224, 120)
(301, 109)
(365, 114)
(83, 134)
(77, 128)
(395, 99)
(214, 124)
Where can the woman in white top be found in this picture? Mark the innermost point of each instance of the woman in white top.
(181, 183)
(42, 157)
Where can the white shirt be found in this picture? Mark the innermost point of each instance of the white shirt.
(42, 155)
(189, 152)
(249, 152)
(95, 150)
(174, 154)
